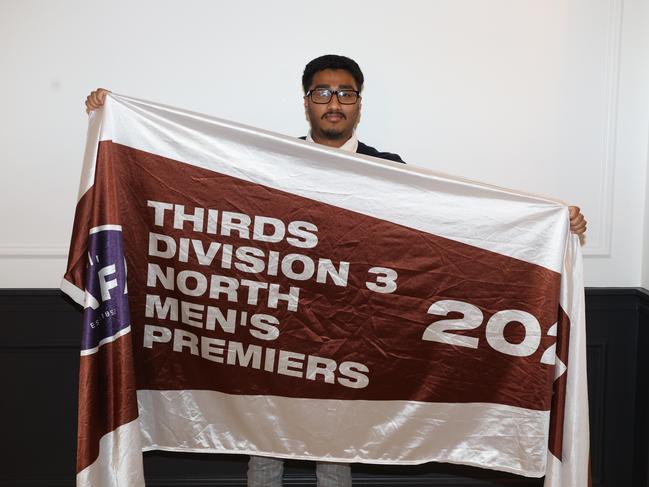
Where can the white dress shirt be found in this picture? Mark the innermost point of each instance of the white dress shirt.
(350, 146)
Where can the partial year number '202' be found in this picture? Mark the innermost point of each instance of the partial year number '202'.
(442, 331)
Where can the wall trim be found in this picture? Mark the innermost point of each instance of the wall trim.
(602, 246)
(33, 251)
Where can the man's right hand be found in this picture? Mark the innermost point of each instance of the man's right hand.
(96, 99)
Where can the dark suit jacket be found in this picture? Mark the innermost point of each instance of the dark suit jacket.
(371, 151)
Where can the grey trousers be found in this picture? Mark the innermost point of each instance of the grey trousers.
(267, 472)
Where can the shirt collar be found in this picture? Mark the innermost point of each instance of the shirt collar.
(350, 146)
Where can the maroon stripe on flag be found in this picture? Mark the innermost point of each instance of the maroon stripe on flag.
(97, 206)
(557, 414)
(107, 396)
(393, 335)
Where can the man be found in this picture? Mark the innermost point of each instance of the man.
(332, 102)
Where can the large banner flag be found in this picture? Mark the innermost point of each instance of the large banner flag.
(251, 293)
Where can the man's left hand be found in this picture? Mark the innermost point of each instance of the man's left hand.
(577, 220)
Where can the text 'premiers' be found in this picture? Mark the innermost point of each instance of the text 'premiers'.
(218, 284)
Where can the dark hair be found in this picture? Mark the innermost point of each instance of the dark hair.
(331, 61)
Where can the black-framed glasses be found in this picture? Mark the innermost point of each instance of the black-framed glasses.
(324, 95)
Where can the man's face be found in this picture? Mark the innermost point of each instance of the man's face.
(332, 123)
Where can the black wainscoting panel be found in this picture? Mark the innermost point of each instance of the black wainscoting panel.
(613, 371)
(641, 457)
(39, 368)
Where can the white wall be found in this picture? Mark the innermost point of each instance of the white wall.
(645, 253)
(550, 97)
(639, 37)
